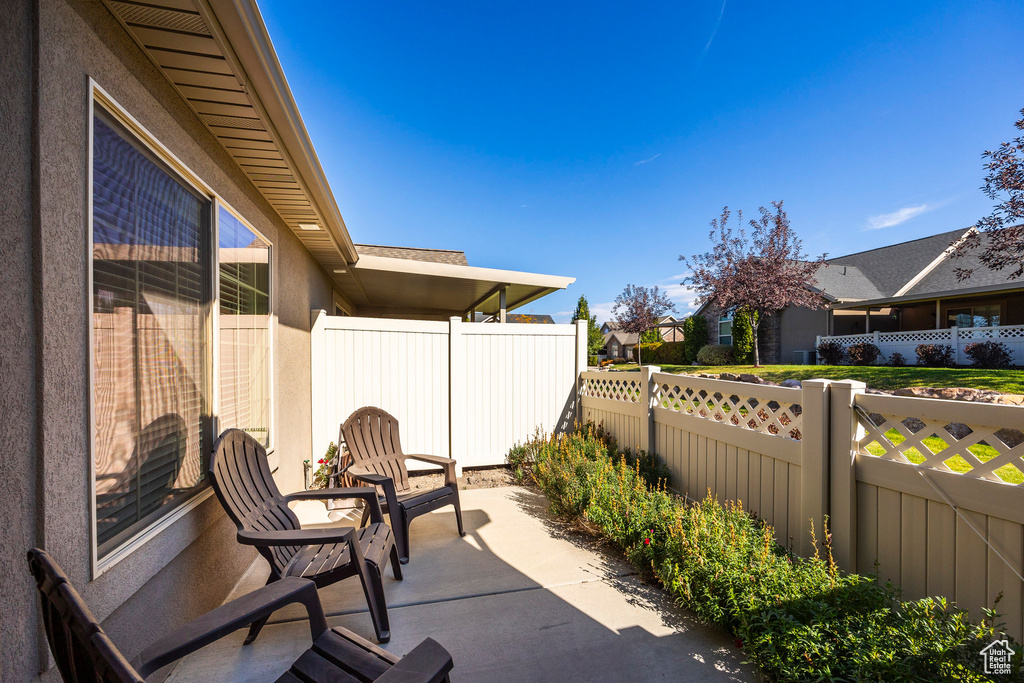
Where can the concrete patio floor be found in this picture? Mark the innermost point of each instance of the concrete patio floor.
(519, 598)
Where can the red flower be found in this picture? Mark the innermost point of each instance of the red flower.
(739, 643)
(322, 461)
(647, 541)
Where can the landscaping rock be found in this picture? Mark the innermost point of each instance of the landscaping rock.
(791, 383)
(731, 377)
(752, 379)
(961, 394)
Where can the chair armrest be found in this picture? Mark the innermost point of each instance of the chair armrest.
(434, 459)
(428, 662)
(447, 463)
(365, 493)
(298, 536)
(386, 483)
(230, 617)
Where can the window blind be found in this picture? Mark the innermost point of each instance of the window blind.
(244, 375)
(151, 292)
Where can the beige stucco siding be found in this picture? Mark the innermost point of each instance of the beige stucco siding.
(190, 566)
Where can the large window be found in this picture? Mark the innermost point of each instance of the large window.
(156, 294)
(244, 328)
(974, 316)
(152, 296)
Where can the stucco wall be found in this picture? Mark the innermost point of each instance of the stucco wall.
(190, 566)
(798, 329)
(18, 623)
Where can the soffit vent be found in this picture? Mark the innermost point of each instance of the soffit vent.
(156, 17)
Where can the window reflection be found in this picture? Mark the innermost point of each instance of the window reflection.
(244, 328)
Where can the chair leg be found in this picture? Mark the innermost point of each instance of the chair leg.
(400, 529)
(396, 565)
(365, 517)
(373, 588)
(257, 626)
(458, 512)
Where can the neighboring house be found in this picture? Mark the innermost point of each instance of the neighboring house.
(906, 287)
(670, 328)
(167, 229)
(617, 343)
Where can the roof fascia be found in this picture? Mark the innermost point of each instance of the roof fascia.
(449, 270)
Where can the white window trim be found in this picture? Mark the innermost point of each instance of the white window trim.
(147, 139)
(727, 317)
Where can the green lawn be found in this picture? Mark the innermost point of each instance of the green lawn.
(981, 451)
(876, 377)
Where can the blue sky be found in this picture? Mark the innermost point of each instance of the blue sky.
(597, 140)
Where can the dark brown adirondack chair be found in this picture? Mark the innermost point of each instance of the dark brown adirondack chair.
(85, 654)
(371, 435)
(241, 477)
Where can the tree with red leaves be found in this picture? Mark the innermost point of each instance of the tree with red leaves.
(1004, 227)
(637, 310)
(760, 275)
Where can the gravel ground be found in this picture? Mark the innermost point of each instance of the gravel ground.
(484, 478)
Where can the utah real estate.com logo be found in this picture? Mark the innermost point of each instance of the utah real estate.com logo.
(997, 657)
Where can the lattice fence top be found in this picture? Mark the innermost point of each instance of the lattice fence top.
(983, 452)
(1004, 332)
(916, 336)
(625, 388)
(766, 416)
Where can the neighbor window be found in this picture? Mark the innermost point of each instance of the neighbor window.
(974, 316)
(152, 294)
(725, 329)
(244, 345)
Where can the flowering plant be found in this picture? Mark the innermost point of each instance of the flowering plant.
(322, 475)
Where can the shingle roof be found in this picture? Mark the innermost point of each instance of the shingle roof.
(889, 268)
(943, 277)
(845, 282)
(456, 258)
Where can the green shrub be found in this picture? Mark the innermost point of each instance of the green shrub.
(593, 360)
(798, 619)
(663, 353)
(831, 352)
(934, 355)
(743, 337)
(864, 353)
(716, 354)
(991, 355)
(695, 335)
(896, 360)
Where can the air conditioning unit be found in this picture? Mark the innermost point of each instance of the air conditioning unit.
(803, 358)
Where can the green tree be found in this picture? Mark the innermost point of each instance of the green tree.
(595, 340)
(695, 336)
(743, 336)
(651, 336)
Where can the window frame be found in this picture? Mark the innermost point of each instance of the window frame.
(143, 137)
(723, 318)
(219, 203)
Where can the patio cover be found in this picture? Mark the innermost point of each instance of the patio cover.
(382, 285)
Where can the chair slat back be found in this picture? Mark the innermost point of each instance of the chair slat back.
(372, 437)
(82, 650)
(241, 477)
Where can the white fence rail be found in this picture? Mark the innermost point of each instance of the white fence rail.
(905, 343)
(921, 486)
(469, 391)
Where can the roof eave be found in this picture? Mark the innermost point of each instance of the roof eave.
(244, 36)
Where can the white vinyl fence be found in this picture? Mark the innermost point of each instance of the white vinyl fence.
(905, 343)
(469, 391)
(879, 467)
